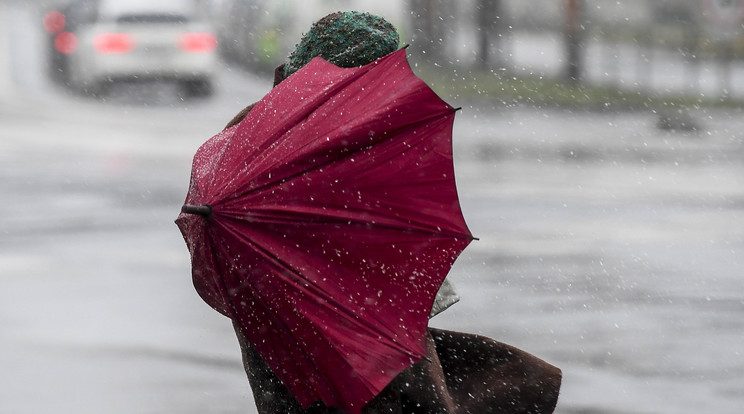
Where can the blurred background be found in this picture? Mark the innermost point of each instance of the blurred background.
(599, 157)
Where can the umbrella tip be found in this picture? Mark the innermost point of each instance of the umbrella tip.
(203, 210)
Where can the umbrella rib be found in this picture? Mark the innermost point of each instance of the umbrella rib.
(382, 336)
(322, 217)
(327, 300)
(325, 97)
(340, 87)
(264, 303)
(280, 180)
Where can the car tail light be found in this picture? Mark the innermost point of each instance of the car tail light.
(197, 42)
(108, 43)
(54, 22)
(66, 43)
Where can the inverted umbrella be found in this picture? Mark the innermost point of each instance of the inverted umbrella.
(324, 223)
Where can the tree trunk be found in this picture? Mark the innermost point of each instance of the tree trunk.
(490, 33)
(427, 21)
(573, 37)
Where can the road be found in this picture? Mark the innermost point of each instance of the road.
(607, 247)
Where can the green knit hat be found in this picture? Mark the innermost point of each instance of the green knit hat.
(346, 39)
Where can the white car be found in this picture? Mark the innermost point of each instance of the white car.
(141, 40)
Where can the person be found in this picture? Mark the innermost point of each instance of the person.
(463, 372)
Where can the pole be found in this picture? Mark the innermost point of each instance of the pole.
(573, 34)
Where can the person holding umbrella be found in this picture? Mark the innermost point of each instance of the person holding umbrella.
(408, 368)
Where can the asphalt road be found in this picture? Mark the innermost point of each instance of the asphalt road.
(607, 247)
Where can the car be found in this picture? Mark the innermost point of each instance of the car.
(106, 41)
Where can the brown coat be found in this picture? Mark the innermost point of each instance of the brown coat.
(468, 374)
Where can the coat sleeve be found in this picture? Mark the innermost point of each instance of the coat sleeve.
(239, 117)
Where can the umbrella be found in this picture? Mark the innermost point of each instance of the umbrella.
(324, 223)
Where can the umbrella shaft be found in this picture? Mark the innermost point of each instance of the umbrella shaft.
(203, 210)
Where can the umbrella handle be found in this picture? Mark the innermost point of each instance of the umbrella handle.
(203, 210)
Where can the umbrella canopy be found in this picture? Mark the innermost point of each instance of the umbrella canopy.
(324, 223)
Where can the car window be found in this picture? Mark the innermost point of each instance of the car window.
(152, 18)
(81, 12)
(114, 9)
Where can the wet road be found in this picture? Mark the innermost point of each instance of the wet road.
(607, 247)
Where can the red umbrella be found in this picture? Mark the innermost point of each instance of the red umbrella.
(324, 223)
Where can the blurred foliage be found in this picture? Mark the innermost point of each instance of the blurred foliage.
(672, 38)
(507, 89)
